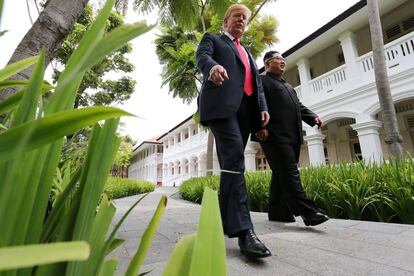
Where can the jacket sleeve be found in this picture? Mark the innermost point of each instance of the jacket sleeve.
(261, 95)
(307, 115)
(204, 54)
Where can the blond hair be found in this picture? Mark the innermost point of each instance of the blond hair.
(237, 6)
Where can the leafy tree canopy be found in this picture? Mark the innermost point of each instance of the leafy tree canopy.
(95, 88)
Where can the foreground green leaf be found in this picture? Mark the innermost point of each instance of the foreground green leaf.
(179, 261)
(209, 258)
(71, 77)
(203, 253)
(16, 67)
(32, 255)
(114, 40)
(146, 239)
(55, 126)
(11, 83)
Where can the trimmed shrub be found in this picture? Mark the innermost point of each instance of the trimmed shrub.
(192, 189)
(117, 187)
(374, 192)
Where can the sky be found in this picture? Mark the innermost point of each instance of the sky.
(157, 112)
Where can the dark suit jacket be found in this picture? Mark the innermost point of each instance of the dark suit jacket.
(286, 111)
(223, 101)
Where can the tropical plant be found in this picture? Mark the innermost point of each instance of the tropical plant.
(33, 139)
(73, 238)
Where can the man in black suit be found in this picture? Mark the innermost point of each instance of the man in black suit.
(281, 141)
(232, 105)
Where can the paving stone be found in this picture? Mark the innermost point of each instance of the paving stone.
(330, 263)
(269, 266)
(387, 240)
(408, 233)
(381, 227)
(395, 257)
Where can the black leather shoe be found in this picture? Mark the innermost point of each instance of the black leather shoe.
(286, 219)
(314, 218)
(251, 246)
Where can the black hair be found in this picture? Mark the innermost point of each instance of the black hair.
(269, 55)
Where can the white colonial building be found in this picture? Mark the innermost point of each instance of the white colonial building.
(332, 72)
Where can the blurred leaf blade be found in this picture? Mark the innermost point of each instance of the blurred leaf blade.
(16, 67)
(147, 238)
(209, 258)
(55, 126)
(31, 255)
(179, 261)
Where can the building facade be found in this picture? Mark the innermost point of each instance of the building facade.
(332, 72)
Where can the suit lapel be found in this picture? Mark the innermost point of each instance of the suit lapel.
(231, 44)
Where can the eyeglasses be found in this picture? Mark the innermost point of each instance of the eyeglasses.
(277, 58)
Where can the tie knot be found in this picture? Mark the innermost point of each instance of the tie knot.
(236, 41)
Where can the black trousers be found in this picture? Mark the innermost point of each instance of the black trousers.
(231, 136)
(286, 195)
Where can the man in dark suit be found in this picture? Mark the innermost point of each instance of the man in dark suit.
(232, 105)
(281, 141)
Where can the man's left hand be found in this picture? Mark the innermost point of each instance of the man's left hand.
(265, 118)
(262, 135)
(318, 122)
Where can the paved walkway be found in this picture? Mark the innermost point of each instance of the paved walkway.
(337, 247)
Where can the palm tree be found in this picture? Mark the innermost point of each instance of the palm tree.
(392, 135)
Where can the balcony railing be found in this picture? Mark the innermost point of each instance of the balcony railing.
(329, 81)
(399, 55)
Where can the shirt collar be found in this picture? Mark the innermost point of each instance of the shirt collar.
(229, 36)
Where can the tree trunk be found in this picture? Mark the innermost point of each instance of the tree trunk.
(392, 135)
(210, 145)
(49, 31)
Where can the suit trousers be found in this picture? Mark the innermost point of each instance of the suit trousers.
(231, 136)
(286, 196)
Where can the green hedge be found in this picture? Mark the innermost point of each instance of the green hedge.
(350, 191)
(117, 187)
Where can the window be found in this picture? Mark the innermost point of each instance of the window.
(399, 29)
(356, 151)
(340, 58)
(325, 153)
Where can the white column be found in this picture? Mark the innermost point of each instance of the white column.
(191, 167)
(314, 139)
(304, 76)
(350, 52)
(250, 157)
(216, 164)
(190, 133)
(368, 137)
(202, 167)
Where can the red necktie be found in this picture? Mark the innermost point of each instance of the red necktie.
(248, 80)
